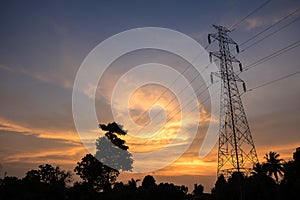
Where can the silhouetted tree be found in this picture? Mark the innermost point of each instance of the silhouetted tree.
(82, 191)
(290, 183)
(259, 186)
(198, 190)
(148, 182)
(259, 169)
(49, 175)
(112, 152)
(113, 156)
(169, 191)
(274, 165)
(94, 173)
(47, 182)
(10, 188)
(125, 191)
(112, 130)
(232, 189)
(133, 183)
(220, 192)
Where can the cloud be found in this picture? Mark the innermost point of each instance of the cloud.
(19, 147)
(268, 18)
(3, 67)
(6, 125)
(51, 78)
(252, 23)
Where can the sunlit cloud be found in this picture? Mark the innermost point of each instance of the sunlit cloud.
(9, 126)
(153, 136)
(255, 22)
(6, 125)
(63, 156)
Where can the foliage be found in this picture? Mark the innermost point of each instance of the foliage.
(100, 172)
(94, 173)
(274, 165)
(48, 174)
(148, 182)
(112, 132)
(198, 190)
(49, 183)
(111, 149)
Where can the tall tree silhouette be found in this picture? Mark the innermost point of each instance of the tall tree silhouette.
(274, 165)
(198, 190)
(148, 182)
(112, 151)
(291, 180)
(94, 173)
(259, 169)
(101, 171)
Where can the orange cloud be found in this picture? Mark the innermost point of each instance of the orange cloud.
(62, 156)
(42, 133)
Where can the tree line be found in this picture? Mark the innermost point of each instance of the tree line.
(273, 179)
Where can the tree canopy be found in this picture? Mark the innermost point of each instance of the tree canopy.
(101, 171)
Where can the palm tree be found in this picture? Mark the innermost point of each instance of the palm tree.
(274, 165)
(259, 169)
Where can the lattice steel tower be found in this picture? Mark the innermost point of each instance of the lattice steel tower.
(236, 147)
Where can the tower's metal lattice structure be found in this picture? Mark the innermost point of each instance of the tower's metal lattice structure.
(236, 151)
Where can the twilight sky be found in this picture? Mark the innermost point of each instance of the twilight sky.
(44, 43)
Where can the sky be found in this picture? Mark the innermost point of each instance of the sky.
(43, 44)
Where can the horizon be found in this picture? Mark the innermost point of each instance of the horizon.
(44, 45)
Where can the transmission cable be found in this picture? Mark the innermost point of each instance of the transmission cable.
(232, 27)
(269, 35)
(273, 81)
(272, 55)
(269, 27)
(166, 89)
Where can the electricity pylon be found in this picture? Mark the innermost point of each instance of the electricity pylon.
(236, 151)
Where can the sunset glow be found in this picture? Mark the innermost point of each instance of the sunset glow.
(43, 47)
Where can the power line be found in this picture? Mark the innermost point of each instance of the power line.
(212, 114)
(198, 95)
(273, 81)
(188, 104)
(266, 29)
(250, 66)
(236, 151)
(178, 94)
(157, 114)
(273, 55)
(166, 89)
(232, 27)
(269, 27)
(202, 102)
(269, 35)
(254, 64)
